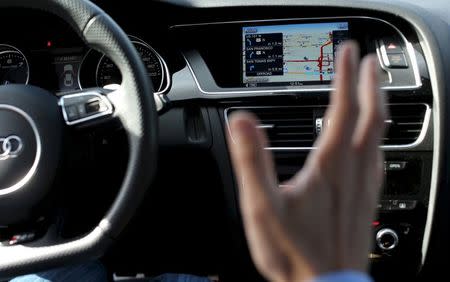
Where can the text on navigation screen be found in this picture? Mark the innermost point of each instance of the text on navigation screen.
(292, 54)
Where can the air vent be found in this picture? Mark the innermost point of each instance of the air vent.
(287, 126)
(405, 124)
(297, 127)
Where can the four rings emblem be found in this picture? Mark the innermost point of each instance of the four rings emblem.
(10, 147)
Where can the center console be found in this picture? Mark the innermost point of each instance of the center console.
(281, 70)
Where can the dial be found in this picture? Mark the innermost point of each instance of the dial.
(108, 73)
(13, 66)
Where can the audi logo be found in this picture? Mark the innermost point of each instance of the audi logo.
(10, 147)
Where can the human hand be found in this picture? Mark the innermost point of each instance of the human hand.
(320, 220)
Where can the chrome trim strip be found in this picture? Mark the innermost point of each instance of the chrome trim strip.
(419, 140)
(414, 64)
(437, 129)
(381, 58)
(89, 23)
(88, 118)
(37, 158)
(81, 65)
(410, 50)
(262, 126)
(422, 135)
(384, 54)
(166, 73)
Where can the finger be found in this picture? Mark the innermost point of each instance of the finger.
(341, 116)
(363, 194)
(333, 159)
(253, 165)
(259, 200)
(370, 126)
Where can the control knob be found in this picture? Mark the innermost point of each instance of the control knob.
(387, 239)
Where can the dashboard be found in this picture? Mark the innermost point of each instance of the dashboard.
(55, 58)
(291, 55)
(263, 56)
(209, 59)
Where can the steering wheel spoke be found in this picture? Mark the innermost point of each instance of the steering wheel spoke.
(88, 106)
(94, 105)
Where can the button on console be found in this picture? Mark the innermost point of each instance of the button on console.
(392, 46)
(395, 165)
(396, 61)
(393, 54)
(387, 239)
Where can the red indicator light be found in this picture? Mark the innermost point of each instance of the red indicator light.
(392, 46)
(375, 223)
(49, 44)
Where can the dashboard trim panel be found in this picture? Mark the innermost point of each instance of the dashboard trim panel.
(408, 45)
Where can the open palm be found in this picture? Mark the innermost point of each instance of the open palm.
(319, 221)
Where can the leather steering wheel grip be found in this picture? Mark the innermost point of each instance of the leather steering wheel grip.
(139, 118)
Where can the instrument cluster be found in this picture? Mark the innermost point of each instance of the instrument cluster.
(61, 68)
(97, 70)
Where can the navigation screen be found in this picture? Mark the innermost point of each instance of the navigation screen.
(293, 54)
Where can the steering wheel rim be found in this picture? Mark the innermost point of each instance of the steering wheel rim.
(138, 115)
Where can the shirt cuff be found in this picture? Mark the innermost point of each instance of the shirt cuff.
(344, 276)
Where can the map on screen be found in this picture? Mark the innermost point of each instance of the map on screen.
(293, 54)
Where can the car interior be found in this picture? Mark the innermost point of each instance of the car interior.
(114, 125)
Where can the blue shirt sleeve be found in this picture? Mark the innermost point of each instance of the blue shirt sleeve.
(344, 276)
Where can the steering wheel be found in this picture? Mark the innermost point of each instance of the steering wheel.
(32, 125)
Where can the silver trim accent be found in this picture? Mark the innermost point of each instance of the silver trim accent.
(89, 23)
(165, 68)
(138, 277)
(265, 126)
(390, 232)
(134, 39)
(383, 54)
(381, 59)
(412, 56)
(423, 131)
(81, 65)
(166, 73)
(422, 135)
(436, 168)
(158, 102)
(102, 58)
(16, 50)
(37, 158)
(408, 45)
(7, 147)
(108, 104)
